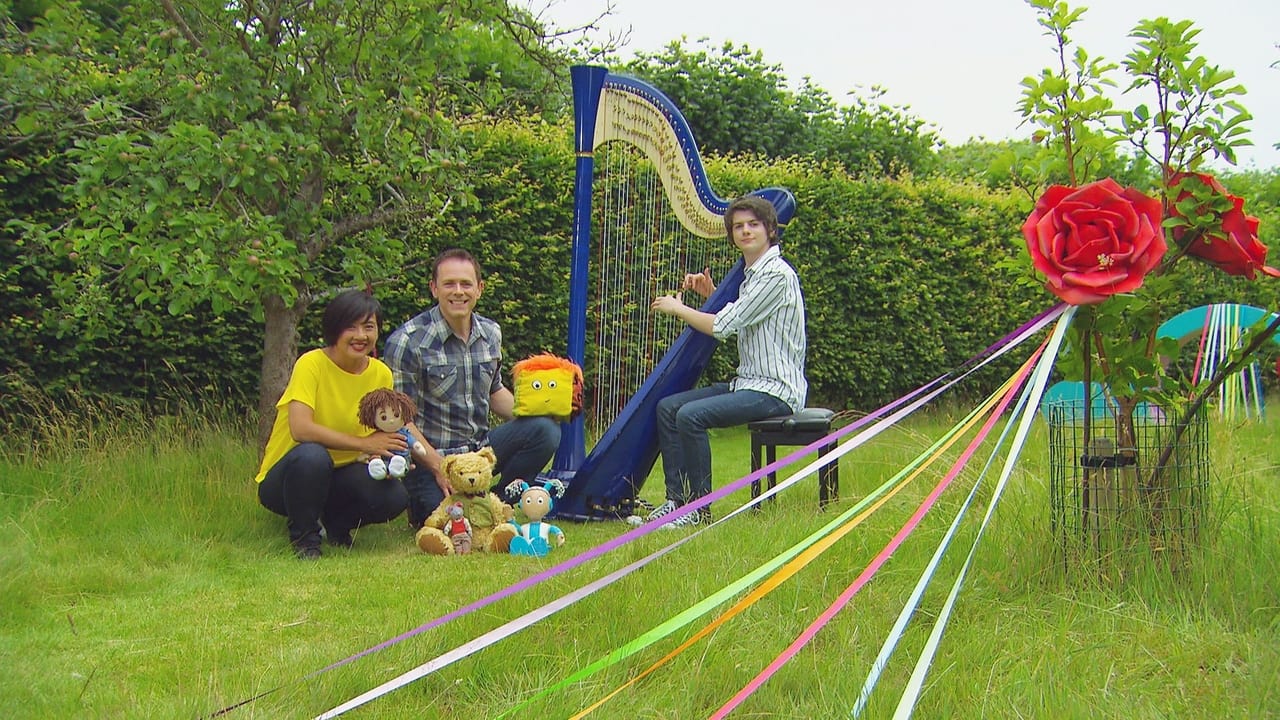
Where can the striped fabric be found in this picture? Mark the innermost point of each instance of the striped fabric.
(768, 319)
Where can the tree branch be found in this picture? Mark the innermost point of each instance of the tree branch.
(317, 243)
(172, 13)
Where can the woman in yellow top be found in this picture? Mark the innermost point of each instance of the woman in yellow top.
(309, 471)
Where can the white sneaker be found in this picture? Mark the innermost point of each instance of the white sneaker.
(701, 516)
(378, 469)
(662, 510)
(654, 512)
(641, 506)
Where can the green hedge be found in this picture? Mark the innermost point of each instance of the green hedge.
(902, 280)
(520, 232)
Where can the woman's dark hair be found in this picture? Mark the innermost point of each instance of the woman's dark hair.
(345, 310)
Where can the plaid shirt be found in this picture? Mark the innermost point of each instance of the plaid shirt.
(449, 379)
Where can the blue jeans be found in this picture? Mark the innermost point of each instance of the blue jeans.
(523, 447)
(683, 420)
(308, 490)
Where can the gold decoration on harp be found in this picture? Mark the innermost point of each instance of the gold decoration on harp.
(625, 116)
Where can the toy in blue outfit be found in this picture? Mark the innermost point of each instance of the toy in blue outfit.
(535, 537)
(389, 411)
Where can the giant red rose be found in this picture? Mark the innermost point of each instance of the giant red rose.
(1094, 241)
(1232, 244)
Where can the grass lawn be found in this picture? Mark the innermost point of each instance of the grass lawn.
(139, 578)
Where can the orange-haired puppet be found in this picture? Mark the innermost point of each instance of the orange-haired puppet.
(547, 385)
(389, 411)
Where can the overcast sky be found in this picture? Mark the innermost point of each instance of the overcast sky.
(956, 64)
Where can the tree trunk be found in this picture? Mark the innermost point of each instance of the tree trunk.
(279, 352)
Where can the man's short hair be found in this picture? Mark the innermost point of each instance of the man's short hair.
(455, 254)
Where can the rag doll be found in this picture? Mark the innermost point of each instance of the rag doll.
(389, 411)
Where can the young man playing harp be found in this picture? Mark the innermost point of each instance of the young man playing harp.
(768, 321)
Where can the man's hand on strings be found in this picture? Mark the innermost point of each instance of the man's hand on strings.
(672, 304)
(699, 283)
(667, 304)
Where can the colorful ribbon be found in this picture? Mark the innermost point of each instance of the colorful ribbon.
(845, 597)
(687, 616)
(926, 576)
(915, 684)
(990, 354)
(810, 553)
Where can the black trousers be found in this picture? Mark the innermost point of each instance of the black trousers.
(308, 490)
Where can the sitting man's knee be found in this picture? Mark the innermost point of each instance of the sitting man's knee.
(688, 420)
(547, 432)
(536, 429)
(668, 407)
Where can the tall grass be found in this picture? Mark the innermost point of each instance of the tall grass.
(140, 579)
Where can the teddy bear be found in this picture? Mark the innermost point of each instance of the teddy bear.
(471, 475)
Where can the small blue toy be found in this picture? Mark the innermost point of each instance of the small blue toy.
(535, 537)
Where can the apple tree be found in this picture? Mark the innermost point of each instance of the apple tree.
(255, 154)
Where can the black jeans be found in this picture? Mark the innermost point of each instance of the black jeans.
(308, 490)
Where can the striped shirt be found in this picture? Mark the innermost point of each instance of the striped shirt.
(768, 318)
(449, 379)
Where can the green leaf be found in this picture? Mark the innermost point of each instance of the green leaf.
(27, 123)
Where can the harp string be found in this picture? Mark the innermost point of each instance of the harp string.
(642, 250)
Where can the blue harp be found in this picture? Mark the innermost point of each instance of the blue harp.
(649, 223)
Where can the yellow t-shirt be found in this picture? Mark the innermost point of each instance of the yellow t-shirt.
(333, 394)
